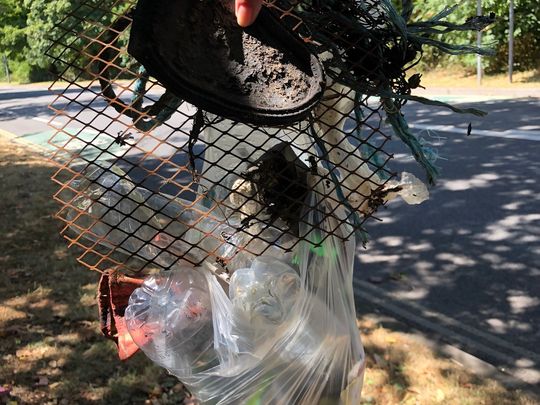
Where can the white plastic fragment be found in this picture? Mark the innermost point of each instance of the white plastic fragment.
(409, 187)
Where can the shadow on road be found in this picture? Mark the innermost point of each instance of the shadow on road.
(472, 252)
(14, 93)
(503, 114)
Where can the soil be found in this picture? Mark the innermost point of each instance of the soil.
(196, 46)
(281, 181)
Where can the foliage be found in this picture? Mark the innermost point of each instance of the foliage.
(12, 28)
(23, 35)
(526, 34)
(42, 16)
(26, 29)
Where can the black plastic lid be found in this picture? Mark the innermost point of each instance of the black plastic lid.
(263, 74)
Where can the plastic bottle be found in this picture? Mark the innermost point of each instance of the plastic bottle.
(265, 292)
(170, 319)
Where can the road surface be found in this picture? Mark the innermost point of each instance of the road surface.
(468, 260)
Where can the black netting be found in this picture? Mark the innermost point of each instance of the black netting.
(148, 180)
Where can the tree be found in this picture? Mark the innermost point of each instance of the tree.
(527, 34)
(29, 28)
(12, 28)
(42, 17)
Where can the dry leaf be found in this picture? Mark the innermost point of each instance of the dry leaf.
(54, 385)
(391, 340)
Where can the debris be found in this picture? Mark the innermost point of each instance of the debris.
(42, 382)
(391, 340)
(5, 390)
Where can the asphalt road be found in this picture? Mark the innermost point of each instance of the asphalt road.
(468, 260)
(464, 266)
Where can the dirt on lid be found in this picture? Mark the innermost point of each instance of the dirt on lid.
(200, 42)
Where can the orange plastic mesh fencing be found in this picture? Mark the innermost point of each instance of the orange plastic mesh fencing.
(147, 180)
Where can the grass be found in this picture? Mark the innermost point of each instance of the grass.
(456, 78)
(402, 370)
(52, 351)
(50, 345)
(450, 77)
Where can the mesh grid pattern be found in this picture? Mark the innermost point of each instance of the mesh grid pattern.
(147, 180)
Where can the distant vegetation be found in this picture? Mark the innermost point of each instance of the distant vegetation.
(27, 26)
(526, 34)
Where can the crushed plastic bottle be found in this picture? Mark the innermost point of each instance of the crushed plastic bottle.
(170, 319)
(112, 211)
(284, 332)
(271, 241)
(266, 292)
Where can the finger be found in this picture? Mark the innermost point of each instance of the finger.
(247, 11)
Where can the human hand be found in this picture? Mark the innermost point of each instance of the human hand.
(247, 11)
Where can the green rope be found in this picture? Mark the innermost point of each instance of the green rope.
(162, 110)
(368, 152)
(401, 129)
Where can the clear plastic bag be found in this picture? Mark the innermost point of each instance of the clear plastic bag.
(285, 333)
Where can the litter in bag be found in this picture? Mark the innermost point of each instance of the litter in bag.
(284, 333)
